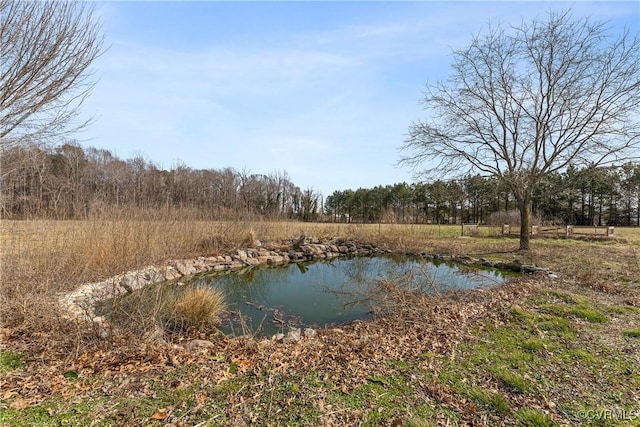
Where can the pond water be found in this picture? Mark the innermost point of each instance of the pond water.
(271, 300)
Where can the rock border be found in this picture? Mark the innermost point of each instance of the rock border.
(80, 303)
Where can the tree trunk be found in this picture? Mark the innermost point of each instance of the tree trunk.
(524, 206)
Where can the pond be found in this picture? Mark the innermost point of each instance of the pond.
(266, 301)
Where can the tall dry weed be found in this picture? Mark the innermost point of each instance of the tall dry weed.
(42, 259)
(197, 308)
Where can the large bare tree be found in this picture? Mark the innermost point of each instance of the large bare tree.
(46, 51)
(526, 101)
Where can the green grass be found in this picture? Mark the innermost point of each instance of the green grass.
(377, 399)
(522, 356)
(495, 402)
(56, 412)
(552, 294)
(632, 333)
(623, 309)
(526, 417)
(512, 381)
(534, 345)
(10, 361)
(565, 305)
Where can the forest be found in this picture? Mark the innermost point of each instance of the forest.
(73, 182)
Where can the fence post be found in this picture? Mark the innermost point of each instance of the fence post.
(534, 230)
(505, 229)
(569, 230)
(610, 231)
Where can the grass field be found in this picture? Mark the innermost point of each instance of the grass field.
(532, 352)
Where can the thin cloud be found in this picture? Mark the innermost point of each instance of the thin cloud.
(328, 102)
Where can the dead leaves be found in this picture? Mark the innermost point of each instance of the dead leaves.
(21, 403)
(161, 414)
(424, 331)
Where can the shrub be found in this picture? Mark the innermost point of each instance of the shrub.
(198, 307)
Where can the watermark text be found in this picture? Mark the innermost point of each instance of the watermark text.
(609, 414)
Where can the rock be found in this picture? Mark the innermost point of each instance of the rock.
(278, 337)
(300, 241)
(294, 335)
(242, 255)
(263, 259)
(275, 259)
(251, 261)
(253, 253)
(103, 290)
(533, 269)
(515, 266)
(310, 333)
(199, 345)
(185, 268)
(153, 274)
(200, 265)
(132, 282)
(236, 265)
(101, 326)
(170, 273)
(99, 320)
(313, 249)
(157, 335)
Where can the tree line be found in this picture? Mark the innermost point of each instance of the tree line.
(72, 182)
(578, 196)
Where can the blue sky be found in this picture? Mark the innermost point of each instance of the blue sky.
(323, 90)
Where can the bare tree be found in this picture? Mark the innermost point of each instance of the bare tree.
(527, 101)
(47, 49)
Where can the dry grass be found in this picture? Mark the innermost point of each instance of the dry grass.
(42, 258)
(62, 254)
(197, 308)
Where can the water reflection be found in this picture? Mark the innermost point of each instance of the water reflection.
(321, 294)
